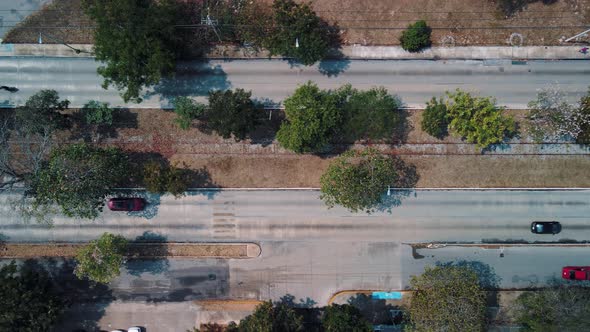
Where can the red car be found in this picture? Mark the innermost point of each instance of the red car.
(576, 273)
(126, 204)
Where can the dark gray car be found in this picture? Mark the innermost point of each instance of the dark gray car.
(545, 227)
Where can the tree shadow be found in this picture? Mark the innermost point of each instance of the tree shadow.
(407, 179)
(307, 309)
(138, 266)
(377, 311)
(123, 118)
(334, 67)
(87, 300)
(290, 301)
(404, 127)
(194, 78)
(269, 123)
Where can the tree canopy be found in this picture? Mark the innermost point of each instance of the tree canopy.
(584, 135)
(232, 113)
(269, 317)
(135, 40)
(41, 113)
(447, 298)
(478, 119)
(357, 180)
(78, 177)
(373, 114)
(552, 117)
(298, 32)
(101, 259)
(161, 179)
(435, 120)
(553, 309)
(313, 117)
(28, 300)
(344, 318)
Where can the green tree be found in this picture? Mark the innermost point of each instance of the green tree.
(358, 180)
(186, 111)
(270, 318)
(160, 179)
(344, 318)
(298, 23)
(78, 177)
(416, 37)
(41, 113)
(435, 120)
(447, 298)
(558, 308)
(313, 117)
(28, 300)
(478, 119)
(552, 117)
(372, 114)
(101, 259)
(232, 113)
(135, 40)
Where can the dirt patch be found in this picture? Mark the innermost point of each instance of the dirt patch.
(60, 21)
(136, 250)
(372, 22)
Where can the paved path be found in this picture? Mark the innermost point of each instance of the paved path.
(311, 251)
(513, 83)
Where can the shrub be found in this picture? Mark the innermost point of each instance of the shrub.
(97, 113)
(435, 120)
(186, 111)
(416, 37)
(232, 113)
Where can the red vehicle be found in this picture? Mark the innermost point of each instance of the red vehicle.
(126, 204)
(576, 273)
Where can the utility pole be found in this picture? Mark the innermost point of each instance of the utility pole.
(208, 21)
(578, 36)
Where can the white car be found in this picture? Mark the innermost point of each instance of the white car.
(134, 329)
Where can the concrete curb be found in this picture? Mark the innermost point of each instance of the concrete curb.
(359, 52)
(412, 189)
(486, 245)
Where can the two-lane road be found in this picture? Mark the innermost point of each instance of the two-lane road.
(416, 81)
(308, 250)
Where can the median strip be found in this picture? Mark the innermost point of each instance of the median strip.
(136, 250)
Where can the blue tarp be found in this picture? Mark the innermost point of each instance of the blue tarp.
(387, 295)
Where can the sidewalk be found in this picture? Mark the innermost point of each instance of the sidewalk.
(348, 51)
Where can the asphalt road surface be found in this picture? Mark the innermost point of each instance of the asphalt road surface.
(311, 251)
(514, 84)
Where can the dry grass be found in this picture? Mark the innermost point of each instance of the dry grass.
(136, 250)
(373, 22)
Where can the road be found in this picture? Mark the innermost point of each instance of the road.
(513, 84)
(311, 251)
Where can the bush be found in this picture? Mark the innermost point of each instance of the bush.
(186, 111)
(478, 119)
(97, 113)
(435, 120)
(416, 37)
